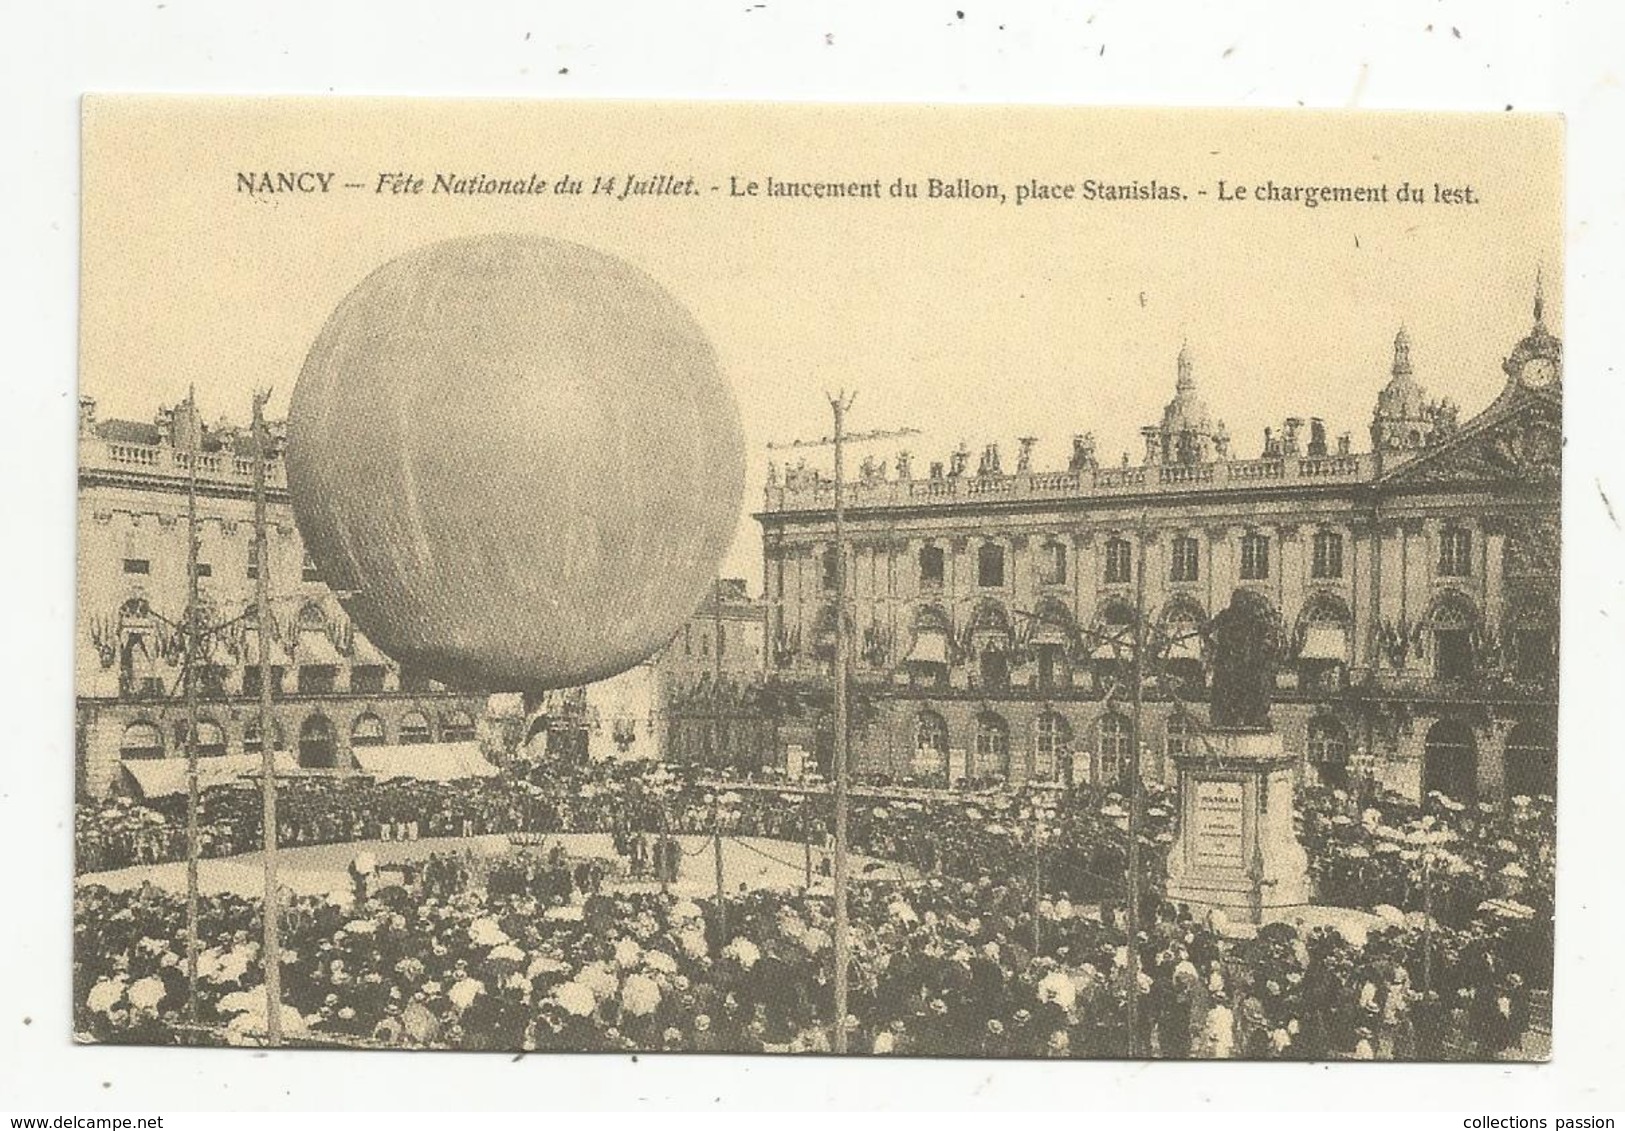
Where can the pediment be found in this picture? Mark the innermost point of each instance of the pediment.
(1520, 442)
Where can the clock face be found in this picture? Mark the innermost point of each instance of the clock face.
(1538, 372)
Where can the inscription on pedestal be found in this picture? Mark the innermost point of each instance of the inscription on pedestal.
(1216, 840)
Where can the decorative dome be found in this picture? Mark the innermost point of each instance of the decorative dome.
(1539, 342)
(1187, 412)
(1402, 398)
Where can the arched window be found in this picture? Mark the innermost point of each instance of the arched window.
(1450, 762)
(1052, 633)
(1255, 557)
(1452, 624)
(456, 726)
(1531, 761)
(1182, 623)
(1329, 752)
(316, 747)
(1112, 754)
(414, 728)
(141, 740)
(990, 640)
(927, 658)
(930, 744)
(1114, 630)
(1052, 745)
(367, 731)
(251, 736)
(992, 747)
(1119, 561)
(990, 566)
(211, 740)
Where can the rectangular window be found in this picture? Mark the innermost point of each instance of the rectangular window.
(1255, 558)
(1186, 562)
(251, 680)
(1537, 658)
(828, 570)
(1052, 564)
(367, 679)
(1453, 653)
(137, 565)
(931, 567)
(1328, 557)
(1119, 561)
(990, 566)
(317, 679)
(1455, 553)
(204, 569)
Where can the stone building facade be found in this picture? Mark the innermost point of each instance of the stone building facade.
(1415, 582)
(333, 690)
(709, 682)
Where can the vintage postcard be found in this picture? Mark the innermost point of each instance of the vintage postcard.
(927, 581)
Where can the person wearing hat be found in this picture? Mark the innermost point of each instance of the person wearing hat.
(995, 1040)
(704, 1038)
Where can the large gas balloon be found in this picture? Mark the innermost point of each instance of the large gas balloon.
(516, 461)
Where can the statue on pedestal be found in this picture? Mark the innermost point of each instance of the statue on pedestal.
(1245, 643)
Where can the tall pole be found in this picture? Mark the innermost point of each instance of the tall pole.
(271, 912)
(189, 676)
(716, 746)
(1136, 802)
(1427, 921)
(839, 404)
(716, 673)
(806, 838)
(716, 851)
(1038, 884)
(662, 846)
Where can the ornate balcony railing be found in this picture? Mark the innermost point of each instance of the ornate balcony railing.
(1170, 479)
(97, 454)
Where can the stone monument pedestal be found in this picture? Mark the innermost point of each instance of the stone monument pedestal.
(1236, 849)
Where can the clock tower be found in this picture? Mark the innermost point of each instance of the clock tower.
(1536, 362)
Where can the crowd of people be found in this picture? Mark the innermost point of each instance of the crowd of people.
(1013, 941)
(526, 960)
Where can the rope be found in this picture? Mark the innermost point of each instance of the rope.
(798, 865)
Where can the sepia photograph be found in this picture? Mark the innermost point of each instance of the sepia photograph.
(956, 582)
